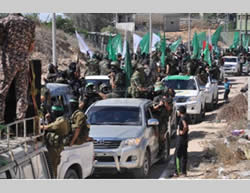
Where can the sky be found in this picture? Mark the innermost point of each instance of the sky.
(45, 16)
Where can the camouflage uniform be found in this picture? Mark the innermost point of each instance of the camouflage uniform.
(92, 67)
(20, 34)
(54, 140)
(137, 80)
(78, 120)
(104, 67)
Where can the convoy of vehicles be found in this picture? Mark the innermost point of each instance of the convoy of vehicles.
(231, 65)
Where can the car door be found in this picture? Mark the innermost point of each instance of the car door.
(153, 132)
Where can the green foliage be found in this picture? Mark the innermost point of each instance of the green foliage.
(109, 28)
(65, 24)
(34, 17)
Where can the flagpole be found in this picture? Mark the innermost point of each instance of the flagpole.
(210, 42)
(54, 39)
(241, 29)
(150, 39)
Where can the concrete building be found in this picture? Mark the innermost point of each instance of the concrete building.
(243, 23)
(167, 22)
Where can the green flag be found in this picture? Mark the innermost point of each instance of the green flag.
(245, 41)
(216, 36)
(207, 56)
(196, 48)
(128, 66)
(236, 40)
(117, 44)
(163, 49)
(144, 44)
(110, 50)
(175, 44)
(202, 37)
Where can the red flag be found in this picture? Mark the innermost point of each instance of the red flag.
(204, 46)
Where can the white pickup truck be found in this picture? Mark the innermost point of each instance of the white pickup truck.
(189, 94)
(210, 89)
(22, 157)
(231, 65)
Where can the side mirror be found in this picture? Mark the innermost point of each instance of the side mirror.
(153, 122)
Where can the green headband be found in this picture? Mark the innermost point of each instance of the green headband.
(57, 108)
(73, 101)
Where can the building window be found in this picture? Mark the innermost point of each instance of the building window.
(172, 22)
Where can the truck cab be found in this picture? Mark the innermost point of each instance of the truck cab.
(231, 65)
(189, 94)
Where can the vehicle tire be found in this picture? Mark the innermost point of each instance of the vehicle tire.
(71, 174)
(210, 106)
(166, 150)
(143, 172)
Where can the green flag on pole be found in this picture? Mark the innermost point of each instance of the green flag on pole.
(163, 49)
(196, 48)
(175, 44)
(117, 44)
(202, 37)
(216, 36)
(128, 66)
(236, 40)
(207, 57)
(245, 41)
(144, 44)
(110, 50)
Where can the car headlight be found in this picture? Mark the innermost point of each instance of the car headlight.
(192, 99)
(132, 141)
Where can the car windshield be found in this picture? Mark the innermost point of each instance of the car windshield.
(181, 84)
(230, 60)
(114, 116)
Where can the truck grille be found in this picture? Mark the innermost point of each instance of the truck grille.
(106, 144)
(106, 158)
(181, 99)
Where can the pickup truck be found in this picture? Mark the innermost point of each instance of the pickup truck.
(231, 65)
(24, 157)
(125, 136)
(210, 89)
(189, 94)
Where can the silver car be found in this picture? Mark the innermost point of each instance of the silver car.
(126, 135)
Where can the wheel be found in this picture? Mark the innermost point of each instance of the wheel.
(71, 174)
(166, 150)
(143, 172)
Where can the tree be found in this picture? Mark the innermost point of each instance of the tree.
(91, 21)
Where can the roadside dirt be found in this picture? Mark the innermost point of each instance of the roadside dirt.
(211, 144)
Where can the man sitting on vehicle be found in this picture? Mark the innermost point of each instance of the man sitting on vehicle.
(79, 126)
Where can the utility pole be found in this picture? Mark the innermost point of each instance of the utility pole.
(150, 39)
(189, 32)
(54, 39)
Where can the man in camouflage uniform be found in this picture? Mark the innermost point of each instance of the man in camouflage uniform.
(104, 66)
(56, 131)
(92, 65)
(117, 80)
(137, 88)
(18, 43)
(160, 112)
(89, 97)
(79, 126)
